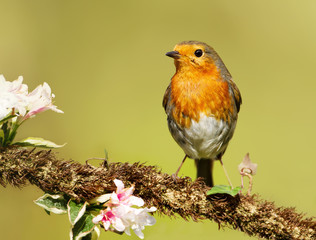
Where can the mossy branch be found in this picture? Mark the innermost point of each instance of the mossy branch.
(183, 197)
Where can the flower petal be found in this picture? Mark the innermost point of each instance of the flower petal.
(106, 225)
(129, 191)
(132, 200)
(119, 185)
(127, 231)
(118, 225)
(114, 199)
(97, 219)
(139, 232)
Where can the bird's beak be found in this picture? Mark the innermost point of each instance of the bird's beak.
(173, 54)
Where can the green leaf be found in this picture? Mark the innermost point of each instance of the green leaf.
(83, 228)
(6, 133)
(1, 137)
(53, 203)
(94, 235)
(48, 212)
(224, 190)
(75, 211)
(87, 237)
(37, 142)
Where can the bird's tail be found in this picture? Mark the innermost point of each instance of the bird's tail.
(204, 170)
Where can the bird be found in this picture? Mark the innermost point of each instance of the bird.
(202, 104)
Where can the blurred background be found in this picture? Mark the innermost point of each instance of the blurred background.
(105, 61)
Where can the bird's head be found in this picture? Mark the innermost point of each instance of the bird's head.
(195, 54)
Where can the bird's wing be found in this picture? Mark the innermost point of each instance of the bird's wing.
(166, 97)
(236, 94)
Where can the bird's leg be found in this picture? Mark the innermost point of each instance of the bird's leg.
(228, 179)
(176, 173)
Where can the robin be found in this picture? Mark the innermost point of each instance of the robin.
(202, 104)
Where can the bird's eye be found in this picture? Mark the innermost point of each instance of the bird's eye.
(198, 53)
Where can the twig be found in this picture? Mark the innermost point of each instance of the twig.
(182, 197)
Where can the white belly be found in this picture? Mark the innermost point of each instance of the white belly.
(206, 139)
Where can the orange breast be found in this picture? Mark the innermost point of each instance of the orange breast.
(195, 92)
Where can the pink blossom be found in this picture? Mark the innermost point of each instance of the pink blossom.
(13, 96)
(124, 196)
(248, 167)
(135, 218)
(108, 218)
(16, 99)
(120, 214)
(40, 100)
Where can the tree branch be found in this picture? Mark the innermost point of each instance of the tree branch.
(183, 196)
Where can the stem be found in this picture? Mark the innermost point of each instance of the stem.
(13, 133)
(6, 134)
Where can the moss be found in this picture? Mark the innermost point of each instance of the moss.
(172, 197)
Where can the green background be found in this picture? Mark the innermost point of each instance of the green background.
(106, 64)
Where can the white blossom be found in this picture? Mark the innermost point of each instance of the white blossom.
(135, 218)
(120, 213)
(124, 196)
(107, 217)
(40, 100)
(15, 99)
(13, 95)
